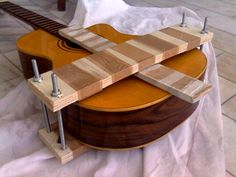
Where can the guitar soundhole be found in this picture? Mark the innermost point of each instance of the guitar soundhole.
(72, 45)
(69, 46)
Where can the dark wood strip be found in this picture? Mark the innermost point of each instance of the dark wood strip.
(132, 52)
(72, 74)
(108, 62)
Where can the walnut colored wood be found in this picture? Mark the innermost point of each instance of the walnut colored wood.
(74, 147)
(116, 65)
(123, 130)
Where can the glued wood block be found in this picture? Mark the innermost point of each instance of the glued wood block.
(177, 83)
(74, 147)
(87, 76)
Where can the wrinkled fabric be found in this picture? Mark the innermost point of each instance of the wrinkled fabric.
(193, 149)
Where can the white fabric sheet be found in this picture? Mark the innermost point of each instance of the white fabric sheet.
(194, 149)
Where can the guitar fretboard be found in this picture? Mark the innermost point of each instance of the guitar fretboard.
(32, 18)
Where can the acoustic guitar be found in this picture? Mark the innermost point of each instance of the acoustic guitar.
(128, 114)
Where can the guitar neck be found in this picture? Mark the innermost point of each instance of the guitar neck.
(33, 19)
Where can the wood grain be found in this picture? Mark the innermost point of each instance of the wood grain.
(87, 83)
(178, 84)
(126, 130)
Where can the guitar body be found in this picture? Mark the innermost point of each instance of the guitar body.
(128, 114)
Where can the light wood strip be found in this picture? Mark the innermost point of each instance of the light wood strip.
(125, 59)
(183, 46)
(88, 66)
(122, 57)
(105, 45)
(178, 84)
(84, 36)
(97, 40)
(75, 32)
(145, 47)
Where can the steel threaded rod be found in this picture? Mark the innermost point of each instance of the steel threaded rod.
(61, 130)
(46, 118)
(37, 77)
(55, 90)
(183, 24)
(204, 29)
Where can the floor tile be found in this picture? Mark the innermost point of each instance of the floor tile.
(230, 144)
(7, 20)
(7, 70)
(224, 41)
(25, 25)
(12, 31)
(216, 6)
(226, 65)
(13, 57)
(172, 3)
(6, 46)
(229, 108)
(216, 20)
(5, 87)
(218, 51)
(227, 89)
(229, 1)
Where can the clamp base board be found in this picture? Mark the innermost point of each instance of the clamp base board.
(74, 147)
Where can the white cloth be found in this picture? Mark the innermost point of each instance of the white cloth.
(193, 149)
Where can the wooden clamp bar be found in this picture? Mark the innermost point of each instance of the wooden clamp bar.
(174, 82)
(89, 75)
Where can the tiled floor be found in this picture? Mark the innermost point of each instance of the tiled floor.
(222, 20)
